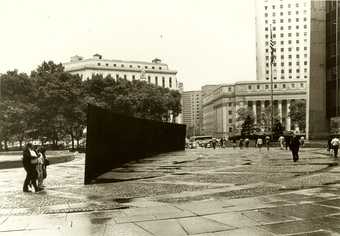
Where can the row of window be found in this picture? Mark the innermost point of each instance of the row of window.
(289, 63)
(289, 49)
(290, 77)
(149, 79)
(275, 86)
(289, 56)
(281, 6)
(289, 14)
(281, 21)
(289, 27)
(130, 66)
(289, 71)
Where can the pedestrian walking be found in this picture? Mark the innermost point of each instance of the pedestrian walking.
(234, 143)
(42, 170)
(241, 143)
(214, 141)
(259, 143)
(267, 142)
(294, 147)
(29, 162)
(335, 145)
(302, 141)
(246, 142)
(329, 146)
(287, 141)
(281, 141)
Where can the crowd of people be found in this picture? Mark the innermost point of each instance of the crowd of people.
(292, 142)
(34, 162)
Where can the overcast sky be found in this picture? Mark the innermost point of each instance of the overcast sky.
(207, 41)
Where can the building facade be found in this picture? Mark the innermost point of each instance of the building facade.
(154, 72)
(220, 106)
(289, 22)
(192, 111)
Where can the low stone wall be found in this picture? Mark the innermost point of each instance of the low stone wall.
(114, 139)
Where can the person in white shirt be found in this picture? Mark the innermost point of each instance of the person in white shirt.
(259, 143)
(335, 144)
(281, 141)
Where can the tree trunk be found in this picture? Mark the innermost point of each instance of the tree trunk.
(72, 140)
(6, 145)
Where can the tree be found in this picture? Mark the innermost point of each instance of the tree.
(298, 113)
(247, 126)
(277, 128)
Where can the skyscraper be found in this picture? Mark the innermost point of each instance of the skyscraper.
(289, 21)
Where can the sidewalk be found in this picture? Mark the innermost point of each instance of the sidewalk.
(200, 192)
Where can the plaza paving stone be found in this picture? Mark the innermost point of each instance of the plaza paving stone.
(194, 192)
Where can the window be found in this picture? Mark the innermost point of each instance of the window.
(288, 5)
(229, 104)
(153, 67)
(273, 6)
(289, 12)
(265, 14)
(267, 50)
(289, 49)
(265, 7)
(289, 27)
(297, 27)
(160, 68)
(114, 65)
(290, 63)
(282, 42)
(267, 78)
(156, 80)
(117, 76)
(230, 129)
(163, 82)
(297, 70)
(289, 20)
(130, 66)
(282, 71)
(267, 43)
(107, 64)
(267, 64)
(297, 63)
(266, 21)
(293, 85)
(297, 48)
(289, 41)
(98, 64)
(146, 67)
(282, 49)
(266, 36)
(275, 86)
(283, 85)
(281, 14)
(289, 56)
(304, 48)
(305, 26)
(297, 34)
(289, 34)
(282, 35)
(229, 89)
(301, 85)
(122, 65)
(297, 56)
(249, 87)
(281, 20)
(282, 57)
(125, 77)
(230, 121)
(305, 19)
(266, 28)
(138, 66)
(133, 77)
(267, 86)
(267, 71)
(230, 112)
(290, 70)
(149, 79)
(305, 63)
(282, 63)
(258, 86)
(297, 4)
(305, 70)
(273, 13)
(170, 82)
(281, 6)
(297, 41)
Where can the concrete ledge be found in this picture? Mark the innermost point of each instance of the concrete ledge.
(53, 160)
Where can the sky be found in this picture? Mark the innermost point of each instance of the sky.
(206, 41)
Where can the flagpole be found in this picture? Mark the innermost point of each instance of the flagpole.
(271, 81)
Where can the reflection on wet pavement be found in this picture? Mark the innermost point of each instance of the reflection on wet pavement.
(197, 192)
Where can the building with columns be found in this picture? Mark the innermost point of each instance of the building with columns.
(220, 106)
(154, 72)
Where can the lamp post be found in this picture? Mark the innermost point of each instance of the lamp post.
(336, 61)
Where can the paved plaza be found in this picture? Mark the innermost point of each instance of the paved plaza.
(195, 192)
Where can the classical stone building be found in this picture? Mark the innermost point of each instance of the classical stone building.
(154, 72)
(220, 105)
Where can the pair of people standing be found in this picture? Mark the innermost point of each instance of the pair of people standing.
(34, 162)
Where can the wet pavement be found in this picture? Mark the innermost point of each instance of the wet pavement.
(193, 192)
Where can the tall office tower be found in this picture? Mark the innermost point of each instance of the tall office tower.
(289, 22)
(191, 110)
